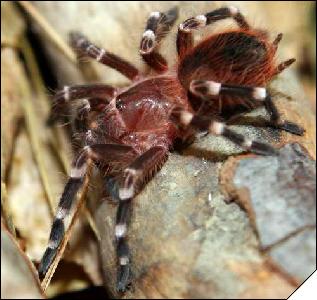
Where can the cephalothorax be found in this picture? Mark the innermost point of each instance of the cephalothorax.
(127, 133)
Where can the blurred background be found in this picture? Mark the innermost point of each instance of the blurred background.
(35, 158)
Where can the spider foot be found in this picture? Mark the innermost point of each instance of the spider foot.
(263, 149)
(291, 127)
(46, 262)
(124, 279)
(111, 188)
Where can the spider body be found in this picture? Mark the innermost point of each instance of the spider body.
(127, 133)
(236, 57)
(145, 109)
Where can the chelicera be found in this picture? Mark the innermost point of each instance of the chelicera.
(127, 133)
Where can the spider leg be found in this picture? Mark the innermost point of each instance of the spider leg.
(74, 92)
(73, 184)
(98, 152)
(282, 66)
(80, 121)
(101, 94)
(209, 89)
(122, 247)
(158, 25)
(212, 125)
(277, 123)
(83, 45)
(124, 189)
(184, 35)
(285, 64)
(277, 41)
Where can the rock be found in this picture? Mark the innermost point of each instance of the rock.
(186, 241)
(279, 194)
(297, 254)
(282, 191)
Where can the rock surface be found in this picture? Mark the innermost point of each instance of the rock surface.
(279, 194)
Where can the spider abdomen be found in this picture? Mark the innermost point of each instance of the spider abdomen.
(234, 57)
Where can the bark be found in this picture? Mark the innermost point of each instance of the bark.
(187, 241)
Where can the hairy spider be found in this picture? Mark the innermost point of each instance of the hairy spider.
(128, 132)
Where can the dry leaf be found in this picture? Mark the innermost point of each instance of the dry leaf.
(18, 275)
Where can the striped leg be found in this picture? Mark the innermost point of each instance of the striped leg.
(209, 89)
(83, 45)
(124, 190)
(275, 119)
(73, 184)
(213, 126)
(158, 25)
(122, 248)
(101, 94)
(184, 35)
(105, 153)
(75, 92)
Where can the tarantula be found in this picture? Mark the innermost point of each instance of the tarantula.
(128, 132)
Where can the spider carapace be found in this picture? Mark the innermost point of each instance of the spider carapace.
(127, 133)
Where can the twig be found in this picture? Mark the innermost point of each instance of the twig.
(57, 131)
(49, 30)
(32, 128)
(91, 222)
(38, 84)
(5, 212)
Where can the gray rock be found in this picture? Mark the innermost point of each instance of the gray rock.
(282, 197)
(297, 255)
(282, 192)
